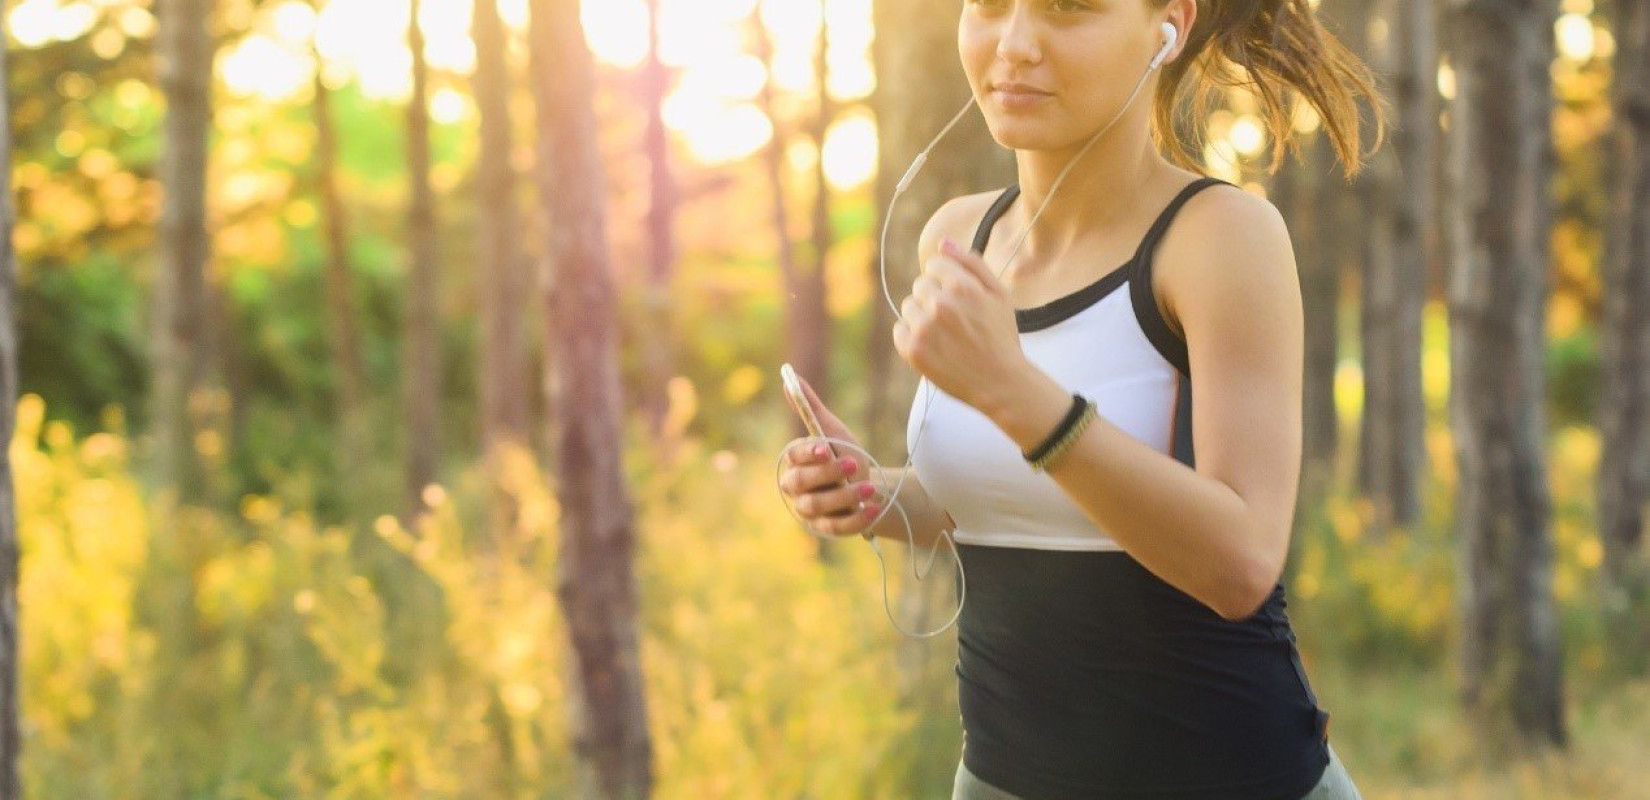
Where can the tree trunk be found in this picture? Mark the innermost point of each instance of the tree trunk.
(1500, 163)
(181, 356)
(661, 213)
(596, 583)
(801, 330)
(1299, 187)
(1624, 351)
(812, 350)
(421, 341)
(504, 274)
(1357, 201)
(1350, 227)
(11, 742)
(347, 372)
(919, 88)
(1395, 283)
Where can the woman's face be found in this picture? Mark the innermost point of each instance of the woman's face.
(1077, 59)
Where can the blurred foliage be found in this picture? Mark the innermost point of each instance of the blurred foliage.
(262, 654)
(291, 644)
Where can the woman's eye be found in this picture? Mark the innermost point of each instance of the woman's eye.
(1069, 5)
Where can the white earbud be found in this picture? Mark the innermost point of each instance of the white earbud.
(1170, 36)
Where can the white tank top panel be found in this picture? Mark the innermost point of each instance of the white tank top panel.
(1106, 341)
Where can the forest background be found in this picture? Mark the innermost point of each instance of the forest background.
(316, 397)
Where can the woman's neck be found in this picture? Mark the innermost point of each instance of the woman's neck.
(1104, 188)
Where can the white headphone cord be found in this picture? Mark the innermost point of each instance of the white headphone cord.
(872, 466)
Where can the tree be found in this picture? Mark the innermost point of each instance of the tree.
(1298, 191)
(1401, 240)
(181, 350)
(348, 374)
(422, 389)
(1498, 168)
(919, 88)
(810, 309)
(807, 340)
(800, 334)
(503, 274)
(11, 742)
(596, 581)
(663, 198)
(1624, 350)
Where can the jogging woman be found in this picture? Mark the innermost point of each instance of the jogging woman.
(1111, 396)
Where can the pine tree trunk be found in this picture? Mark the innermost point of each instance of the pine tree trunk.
(1395, 286)
(812, 307)
(1499, 152)
(919, 88)
(348, 374)
(1349, 227)
(661, 214)
(421, 337)
(11, 742)
(596, 583)
(503, 274)
(1298, 188)
(1624, 351)
(799, 328)
(181, 357)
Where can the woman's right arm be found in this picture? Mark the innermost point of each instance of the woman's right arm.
(927, 517)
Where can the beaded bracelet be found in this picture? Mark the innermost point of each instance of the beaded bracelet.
(1077, 419)
(1070, 439)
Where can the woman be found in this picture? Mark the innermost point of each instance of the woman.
(1124, 634)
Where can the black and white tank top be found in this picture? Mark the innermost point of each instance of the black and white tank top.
(1082, 675)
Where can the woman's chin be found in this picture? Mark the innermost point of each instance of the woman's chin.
(1016, 136)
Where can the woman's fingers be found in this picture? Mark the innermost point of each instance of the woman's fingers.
(816, 476)
(830, 502)
(823, 493)
(805, 451)
(855, 521)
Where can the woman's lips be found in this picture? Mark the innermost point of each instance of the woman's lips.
(1013, 98)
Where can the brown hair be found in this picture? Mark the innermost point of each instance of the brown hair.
(1267, 46)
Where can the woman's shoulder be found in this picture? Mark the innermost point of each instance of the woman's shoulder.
(957, 219)
(1217, 227)
(1212, 213)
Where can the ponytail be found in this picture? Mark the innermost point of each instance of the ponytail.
(1270, 47)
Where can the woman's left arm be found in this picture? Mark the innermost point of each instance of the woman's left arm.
(1220, 532)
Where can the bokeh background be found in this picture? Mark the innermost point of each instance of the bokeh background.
(306, 435)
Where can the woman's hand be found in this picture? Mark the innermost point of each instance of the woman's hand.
(820, 484)
(958, 330)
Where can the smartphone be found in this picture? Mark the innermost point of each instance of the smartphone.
(799, 403)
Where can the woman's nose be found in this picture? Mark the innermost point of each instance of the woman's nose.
(1017, 39)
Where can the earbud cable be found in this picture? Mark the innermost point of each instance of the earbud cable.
(892, 501)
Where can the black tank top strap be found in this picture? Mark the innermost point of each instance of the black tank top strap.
(1003, 201)
(1157, 330)
(1161, 224)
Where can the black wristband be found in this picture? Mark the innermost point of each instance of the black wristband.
(1078, 403)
